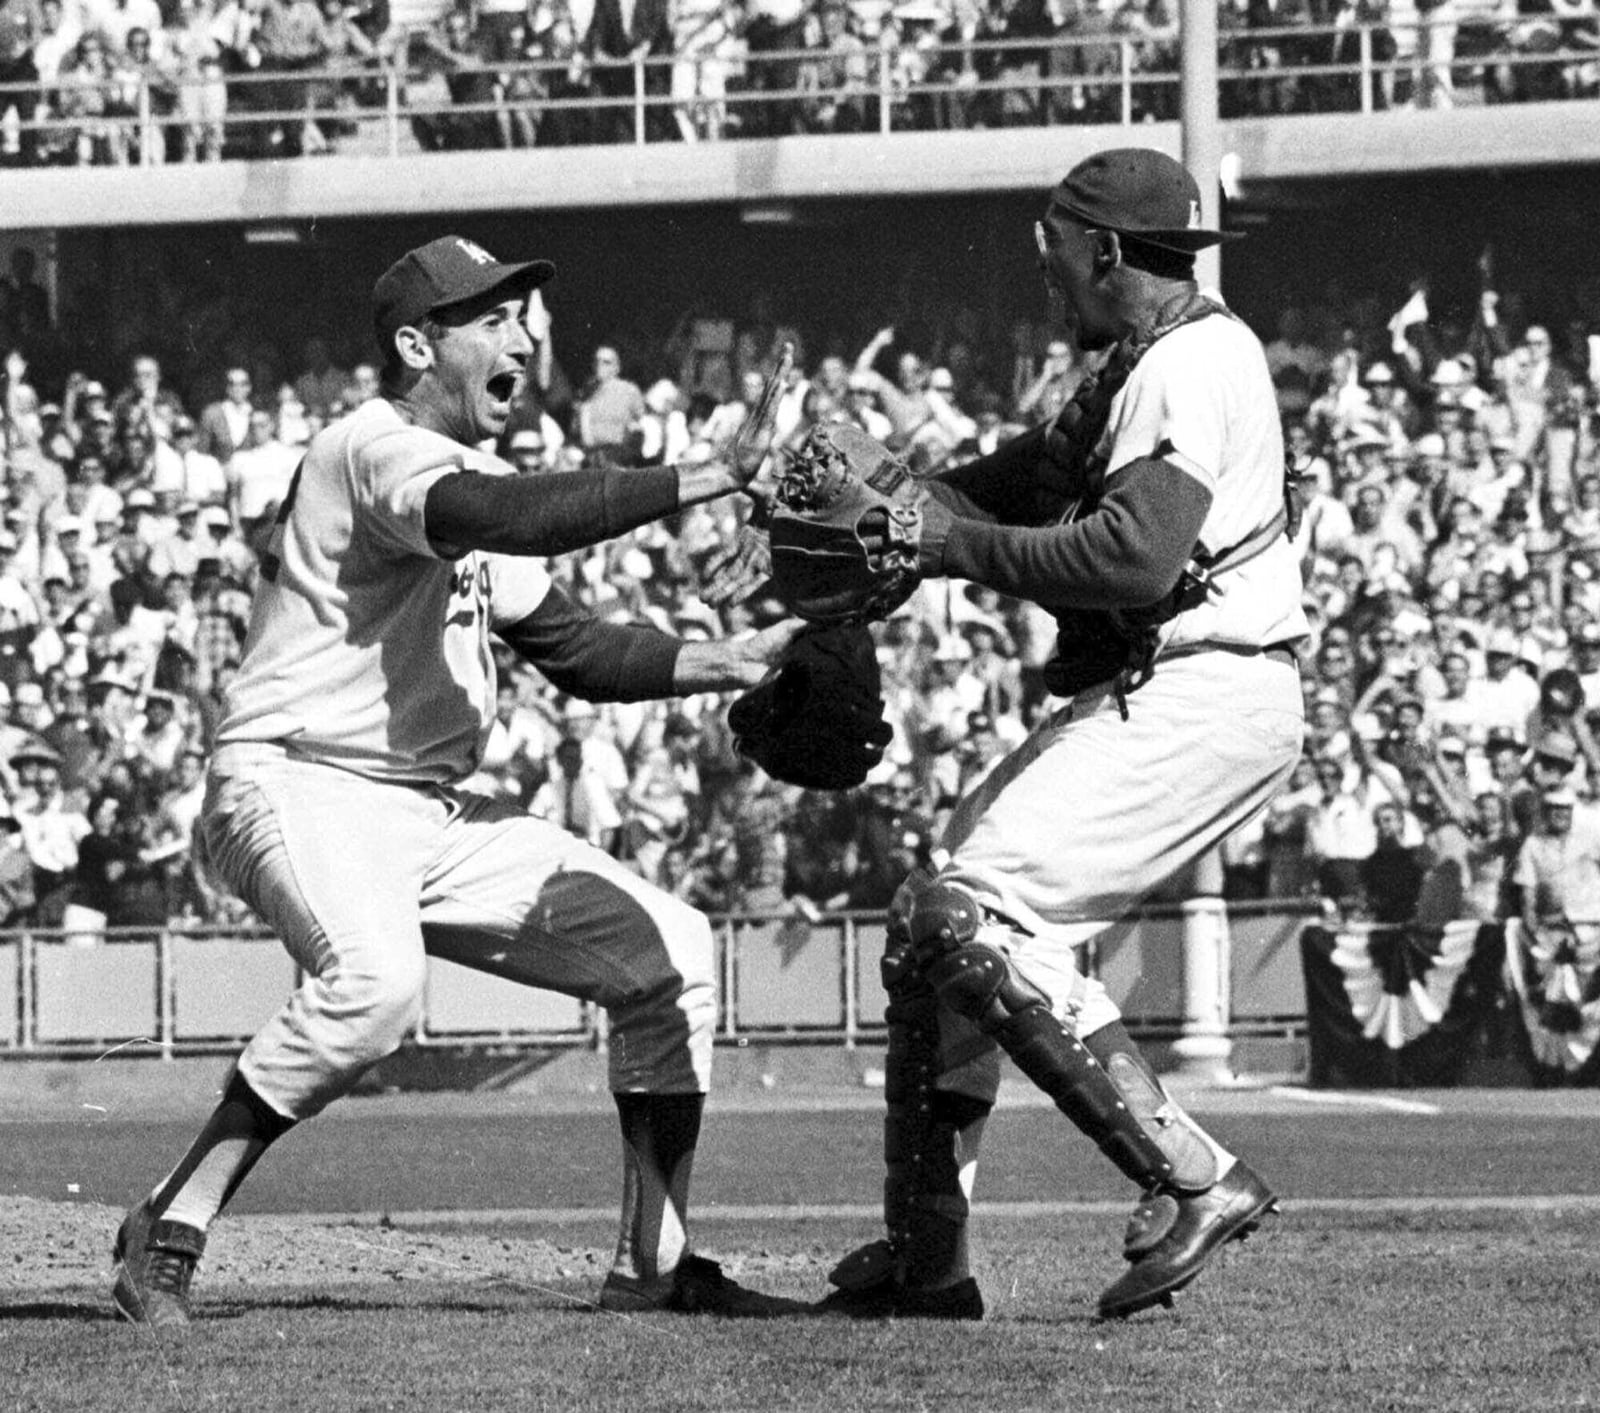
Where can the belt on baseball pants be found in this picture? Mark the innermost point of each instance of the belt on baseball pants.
(1279, 652)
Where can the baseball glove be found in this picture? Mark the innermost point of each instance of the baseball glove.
(817, 718)
(847, 528)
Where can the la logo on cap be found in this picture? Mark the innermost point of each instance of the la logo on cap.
(1194, 215)
(473, 251)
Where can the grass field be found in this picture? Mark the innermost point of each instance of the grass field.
(1438, 1253)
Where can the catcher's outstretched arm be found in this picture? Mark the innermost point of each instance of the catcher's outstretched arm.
(1128, 553)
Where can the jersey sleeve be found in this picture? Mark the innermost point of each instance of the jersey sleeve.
(1174, 406)
(393, 470)
(517, 586)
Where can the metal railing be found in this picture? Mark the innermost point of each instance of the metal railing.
(197, 990)
(1111, 78)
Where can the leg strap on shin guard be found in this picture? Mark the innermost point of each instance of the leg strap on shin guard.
(979, 981)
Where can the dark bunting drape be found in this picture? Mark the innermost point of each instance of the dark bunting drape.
(1399, 1007)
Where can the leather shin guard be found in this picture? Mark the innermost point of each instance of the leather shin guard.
(1192, 1155)
(1055, 1060)
(928, 1136)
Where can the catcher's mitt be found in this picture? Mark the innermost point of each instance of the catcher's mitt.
(817, 718)
(846, 529)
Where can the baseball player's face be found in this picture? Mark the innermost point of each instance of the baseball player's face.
(479, 365)
(1067, 259)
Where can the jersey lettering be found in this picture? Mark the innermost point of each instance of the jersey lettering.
(272, 560)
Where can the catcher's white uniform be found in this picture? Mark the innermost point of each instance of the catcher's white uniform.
(366, 696)
(1092, 812)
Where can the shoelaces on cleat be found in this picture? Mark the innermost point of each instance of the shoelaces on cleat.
(169, 1271)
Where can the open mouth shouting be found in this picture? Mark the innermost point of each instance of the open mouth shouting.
(502, 388)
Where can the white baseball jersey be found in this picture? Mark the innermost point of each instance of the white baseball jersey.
(1202, 399)
(366, 649)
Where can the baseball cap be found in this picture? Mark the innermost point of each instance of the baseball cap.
(1558, 745)
(1561, 795)
(109, 677)
(1503, 642)
(443, 272)
(217, 515)
(1379, 372)
(139, 499)
(34, 749)
(1140, 192)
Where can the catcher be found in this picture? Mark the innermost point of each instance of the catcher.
(1149, 518)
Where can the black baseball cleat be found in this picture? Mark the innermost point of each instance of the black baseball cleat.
(871, 1285)
(155, 1263)
(1171, 1236)
(696, 1287)
(887, 1301)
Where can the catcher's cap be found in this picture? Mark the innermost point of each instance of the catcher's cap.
(441, 273)
(1139, 192)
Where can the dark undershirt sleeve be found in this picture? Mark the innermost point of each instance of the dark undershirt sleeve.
(592, 659)
(1002, 486)
(544, 515)
(1126, 554)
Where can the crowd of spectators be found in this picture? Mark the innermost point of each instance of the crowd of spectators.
(1449, 467)
(113, 81)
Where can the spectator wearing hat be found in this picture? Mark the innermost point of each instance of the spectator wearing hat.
(1557, 868)
(51, 830)
(1507, 694)
(199, 476)
(156, 736)
(181, 551)
(1551, 763)
(235, 558)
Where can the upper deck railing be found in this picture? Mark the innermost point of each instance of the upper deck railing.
(897, 86)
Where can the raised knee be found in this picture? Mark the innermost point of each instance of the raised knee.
(381, 1010)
